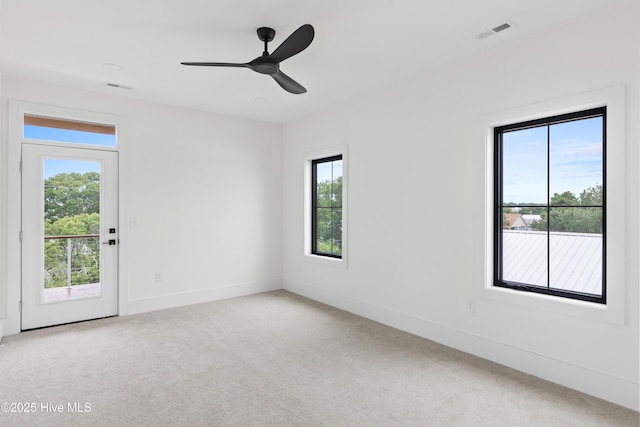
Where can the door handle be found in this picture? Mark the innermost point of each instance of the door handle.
(111, 242)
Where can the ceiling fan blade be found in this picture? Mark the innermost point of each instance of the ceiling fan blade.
(216, 64)
(298, 41)
(287, 83)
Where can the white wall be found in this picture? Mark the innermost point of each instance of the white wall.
(3, 246)
(416, 198)
(201, 197)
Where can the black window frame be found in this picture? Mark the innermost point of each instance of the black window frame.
(499, 205)
(315, 207)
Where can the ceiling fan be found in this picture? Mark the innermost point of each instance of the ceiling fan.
(268, 63)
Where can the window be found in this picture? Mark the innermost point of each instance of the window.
(63, 130)
(326, 206)
(550, 205)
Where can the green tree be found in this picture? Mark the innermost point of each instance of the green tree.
(73, 225)
(565, 199)
(592, 196)
(329, 217)
(69, 194)
(85, 255)
(71, 208)
(571, 213)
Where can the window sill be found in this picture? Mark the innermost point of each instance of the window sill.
(325, 261)
(607, 313)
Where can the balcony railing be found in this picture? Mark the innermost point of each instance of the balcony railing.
(71, 261)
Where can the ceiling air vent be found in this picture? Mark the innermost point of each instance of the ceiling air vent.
(501, 27)
(118, 86)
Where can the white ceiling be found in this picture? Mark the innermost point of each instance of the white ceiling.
(359, 45)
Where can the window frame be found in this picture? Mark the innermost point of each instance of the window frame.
(315, 207)
(498, 169)
(70, 120)
(613, 312)
(306, 254)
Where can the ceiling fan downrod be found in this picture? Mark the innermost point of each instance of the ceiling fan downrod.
(266, 35)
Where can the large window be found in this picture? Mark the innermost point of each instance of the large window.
(550, 206)
(326, 206)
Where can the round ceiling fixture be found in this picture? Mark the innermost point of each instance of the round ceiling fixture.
(112, 67)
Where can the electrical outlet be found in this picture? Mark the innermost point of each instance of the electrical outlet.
(158, 277)
(471, 305)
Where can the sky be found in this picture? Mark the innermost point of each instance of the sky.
(575, 160)
(325, 170)
(53, 167)
(65, 135)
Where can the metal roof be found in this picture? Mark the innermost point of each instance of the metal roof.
(575, 259)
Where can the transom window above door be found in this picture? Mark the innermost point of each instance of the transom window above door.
(45, 128)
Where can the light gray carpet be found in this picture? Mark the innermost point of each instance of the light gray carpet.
(274, 359)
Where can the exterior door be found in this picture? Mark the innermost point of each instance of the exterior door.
(69, 234)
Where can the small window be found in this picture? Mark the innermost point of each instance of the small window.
(550, 206)
(326, 206)
(63, 130)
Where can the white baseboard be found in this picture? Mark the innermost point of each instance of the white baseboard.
(619, 391)
(205, 295)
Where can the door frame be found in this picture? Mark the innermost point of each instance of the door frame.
(17, 110)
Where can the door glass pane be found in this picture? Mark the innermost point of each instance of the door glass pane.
(71, 229)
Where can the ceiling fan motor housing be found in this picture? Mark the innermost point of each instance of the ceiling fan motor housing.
(267, 68)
